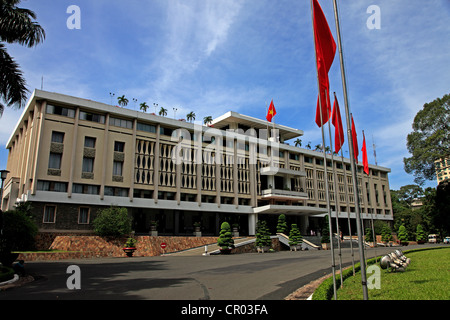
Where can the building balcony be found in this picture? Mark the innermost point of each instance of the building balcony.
(271, 170)
(279, 194)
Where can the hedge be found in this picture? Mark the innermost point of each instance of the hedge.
(6, 273)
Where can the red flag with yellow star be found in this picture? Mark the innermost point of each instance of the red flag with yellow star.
(271, 112)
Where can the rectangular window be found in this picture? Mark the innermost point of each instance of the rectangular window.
(54, 161)
(49, 214)
(88, 164)
(119, 146)
(92, 117)
(83, 215)
(52, 186)
(89, 142)
(146, 127)
(58, 137)
(62, 111)
(85, 188)
(121, 123)
(117, 168)
(117, 192)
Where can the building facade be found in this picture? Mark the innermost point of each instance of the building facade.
(442, 169)
(71, 157)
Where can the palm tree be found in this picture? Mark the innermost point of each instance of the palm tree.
(308, 146)
(190, 116)
(163, 112)
(207, 120)
(122, 101)
(298, 142)
(318, 147)
(144, 106)
(16, 26)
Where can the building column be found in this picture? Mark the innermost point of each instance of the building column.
(74, 153)
(156, 164)
(40, 122)
(105, 158)
(252, 218)
(133, 161)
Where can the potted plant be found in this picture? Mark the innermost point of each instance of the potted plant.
(235, 230)
(197, 231)
(295, 238)
(153, 228)
(263, 241)
(325, 240)
(129, 247)
(225, 241)
(421, 237)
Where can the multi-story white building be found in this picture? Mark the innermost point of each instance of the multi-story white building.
(70, 156)
(442, 169)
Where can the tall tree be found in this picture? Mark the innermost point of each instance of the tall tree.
(122, 101)
(430, 139)
(163, 112)
(144, 106)
(298, 142)
(207, 120)
(16, 26)
(190, 116)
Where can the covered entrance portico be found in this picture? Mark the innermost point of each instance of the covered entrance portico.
(294, 214)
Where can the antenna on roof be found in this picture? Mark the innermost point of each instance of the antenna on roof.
(42, 83)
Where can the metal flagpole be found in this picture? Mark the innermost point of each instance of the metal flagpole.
(346, 200)
(336, 204)
(348, 211)
(325, 163)
(374, 236)
(352, 159)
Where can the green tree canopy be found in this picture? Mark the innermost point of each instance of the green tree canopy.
(430, 139)
(112, 222)
(16, 26)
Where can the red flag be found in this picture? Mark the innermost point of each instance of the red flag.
(364, 156)
(338, 129)
(355, 141)
(325, 51)
(271, 112)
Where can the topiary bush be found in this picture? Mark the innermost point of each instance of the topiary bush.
(386, 234)
(262, 235)
(402, 234)
(421, 236)
(295, 238)
(282, 225)
(112, 222)
(225, 240)
(325, 232)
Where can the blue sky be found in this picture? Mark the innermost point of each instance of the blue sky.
(212, 56)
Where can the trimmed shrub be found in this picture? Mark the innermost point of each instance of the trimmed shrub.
(282, 225)
(262, 235)
(295, 237)
(112, 222)
(225, 240)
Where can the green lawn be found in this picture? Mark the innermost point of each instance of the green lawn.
(426, 278)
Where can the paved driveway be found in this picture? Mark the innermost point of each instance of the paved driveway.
(252, 276)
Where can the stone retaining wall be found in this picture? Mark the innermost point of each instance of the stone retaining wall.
(80, 246)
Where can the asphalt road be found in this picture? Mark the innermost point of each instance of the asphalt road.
(252, 276)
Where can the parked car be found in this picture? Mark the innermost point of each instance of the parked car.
(447, 240)
(433, 238)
